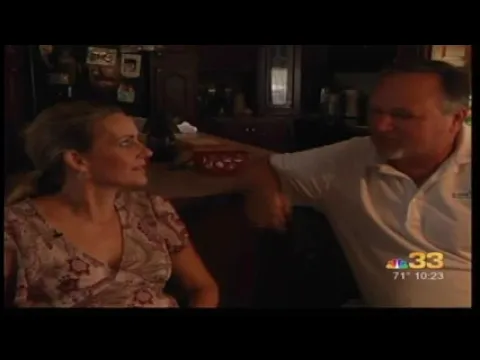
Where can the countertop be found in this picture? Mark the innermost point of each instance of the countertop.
(188, 183)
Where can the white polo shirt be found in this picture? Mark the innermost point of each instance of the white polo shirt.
(381, 217)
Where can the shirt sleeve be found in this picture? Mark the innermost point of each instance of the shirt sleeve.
(12, 242)
(176, 233)
(306, 176)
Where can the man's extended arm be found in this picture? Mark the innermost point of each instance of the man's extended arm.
(274, 183)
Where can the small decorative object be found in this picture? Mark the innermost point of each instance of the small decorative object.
(126, 93)
(131, 65)
(220, 162)
(101, 56)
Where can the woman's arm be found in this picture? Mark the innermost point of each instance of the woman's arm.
(187, 266)
(189, 269)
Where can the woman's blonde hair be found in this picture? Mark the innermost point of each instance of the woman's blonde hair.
(64, 126)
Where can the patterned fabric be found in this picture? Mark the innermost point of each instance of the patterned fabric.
(52, 272)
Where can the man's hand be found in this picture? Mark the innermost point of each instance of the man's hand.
(268, 209)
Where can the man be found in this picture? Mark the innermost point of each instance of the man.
(398, 200)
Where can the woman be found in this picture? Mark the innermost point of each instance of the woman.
(78, 238)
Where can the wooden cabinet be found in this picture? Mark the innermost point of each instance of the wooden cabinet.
(175, 82)
(272, 133)
(227, 58)
(458, 55)
(279, 79)
(373, 58)
(360, 58)
(407, 53)
(18, 104)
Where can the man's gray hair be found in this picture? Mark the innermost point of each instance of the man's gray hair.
(455, 81)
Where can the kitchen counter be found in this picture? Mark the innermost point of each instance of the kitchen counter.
(188, 183)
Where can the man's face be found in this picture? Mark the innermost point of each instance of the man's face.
(407, 117)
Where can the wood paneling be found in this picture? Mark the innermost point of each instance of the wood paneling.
(18, 104)
(175, 82)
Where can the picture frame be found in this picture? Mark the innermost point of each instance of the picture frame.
(101, 56)
(126, 93)
(131, 65)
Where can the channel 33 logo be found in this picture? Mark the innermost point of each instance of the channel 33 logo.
(422, 260)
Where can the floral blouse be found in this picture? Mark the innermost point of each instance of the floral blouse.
(51, 272)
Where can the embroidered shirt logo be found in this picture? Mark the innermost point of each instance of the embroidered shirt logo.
(462, 194)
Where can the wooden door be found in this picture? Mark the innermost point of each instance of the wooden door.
(175, 82)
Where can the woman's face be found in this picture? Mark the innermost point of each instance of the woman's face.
(118, 157)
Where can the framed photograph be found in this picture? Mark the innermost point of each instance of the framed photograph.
(101, 56)
(126, 93)
(131, 65)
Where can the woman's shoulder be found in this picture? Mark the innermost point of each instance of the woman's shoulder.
(18, 221)
(18, 211)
